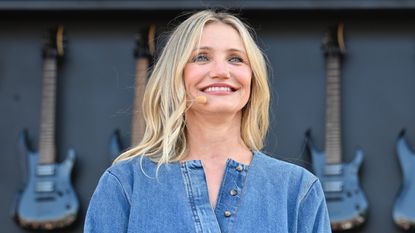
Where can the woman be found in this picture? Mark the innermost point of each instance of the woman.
(198, 167)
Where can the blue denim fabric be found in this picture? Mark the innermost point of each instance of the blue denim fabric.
(269, 195)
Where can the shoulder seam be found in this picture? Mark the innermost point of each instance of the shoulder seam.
(308, 191)
(122, 187)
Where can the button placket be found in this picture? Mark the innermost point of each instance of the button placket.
(229, 201)
(204, 218)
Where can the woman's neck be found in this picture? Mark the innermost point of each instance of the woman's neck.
(214, 140)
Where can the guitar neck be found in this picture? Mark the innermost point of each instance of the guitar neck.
(333, 145)
(47, 151)
(138, 124)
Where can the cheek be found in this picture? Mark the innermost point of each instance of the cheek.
(188, 79)
(248, 83)
(186, 76)
(191, 75)
(248, 89)
(245, 79)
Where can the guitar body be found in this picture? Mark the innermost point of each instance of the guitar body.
(346, 202)
(48, 200)
(404, 209)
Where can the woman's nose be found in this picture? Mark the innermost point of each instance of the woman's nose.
(219, 70)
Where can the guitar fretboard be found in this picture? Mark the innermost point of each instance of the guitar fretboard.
(47, 125)
(333, 104)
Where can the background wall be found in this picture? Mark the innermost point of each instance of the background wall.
(96, 90)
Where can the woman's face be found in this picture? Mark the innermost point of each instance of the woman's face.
(219, 70)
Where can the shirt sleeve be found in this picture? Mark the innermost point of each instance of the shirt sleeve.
(108, 209)
(313, 214)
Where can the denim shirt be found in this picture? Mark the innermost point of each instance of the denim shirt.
(269, 195)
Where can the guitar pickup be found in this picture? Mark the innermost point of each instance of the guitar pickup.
(333, 186)
(45, 186)
(333, 170)
(45, 170)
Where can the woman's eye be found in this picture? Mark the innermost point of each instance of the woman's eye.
(200, 58)
(236, 59)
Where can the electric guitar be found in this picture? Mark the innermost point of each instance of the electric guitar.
(404, 209)
(345, 199)
(48, 200)
(145, 48)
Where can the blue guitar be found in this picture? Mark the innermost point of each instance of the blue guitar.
(48, 200)
(404, 209)
(346, 201)
(145, 48)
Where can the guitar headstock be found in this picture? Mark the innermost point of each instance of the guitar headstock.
(146, 42)
(333, 41)
(55, 43)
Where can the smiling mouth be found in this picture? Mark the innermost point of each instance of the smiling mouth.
(221, 88)
(218, 89)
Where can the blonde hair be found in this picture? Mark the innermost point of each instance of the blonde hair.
(164, 102)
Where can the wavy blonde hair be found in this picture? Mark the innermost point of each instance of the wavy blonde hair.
(164, 102)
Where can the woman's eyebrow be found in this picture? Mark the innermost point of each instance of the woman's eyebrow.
(202, 48)
(237, 50)
(230, 50)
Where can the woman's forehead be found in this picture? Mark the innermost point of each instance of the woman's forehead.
(216, 35)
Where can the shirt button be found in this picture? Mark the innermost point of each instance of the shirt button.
(239, 168)
(227, 213)
(233, 192)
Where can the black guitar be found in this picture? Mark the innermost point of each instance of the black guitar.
(404, 209)
(48, 200)
(145, 48)
(346, 201)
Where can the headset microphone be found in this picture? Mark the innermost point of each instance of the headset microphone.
(201, 99)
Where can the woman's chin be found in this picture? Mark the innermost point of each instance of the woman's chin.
(221, 110)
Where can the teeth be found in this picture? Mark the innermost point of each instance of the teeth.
(212, 89)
